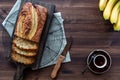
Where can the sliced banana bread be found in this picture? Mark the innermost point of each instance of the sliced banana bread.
(22, 59)
(25, 44)
(23, 52)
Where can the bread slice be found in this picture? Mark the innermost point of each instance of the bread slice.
(22, 59)
(24, 52)
(31, 22)
(25, 44)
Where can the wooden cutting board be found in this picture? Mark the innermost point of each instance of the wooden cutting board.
(20, 67)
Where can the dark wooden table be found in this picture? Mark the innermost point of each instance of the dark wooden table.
(90, 31)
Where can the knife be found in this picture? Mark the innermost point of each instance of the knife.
(61, 58)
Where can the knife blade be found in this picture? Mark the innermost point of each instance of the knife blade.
(61, 58)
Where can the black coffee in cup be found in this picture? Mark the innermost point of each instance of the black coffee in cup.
(100, 61)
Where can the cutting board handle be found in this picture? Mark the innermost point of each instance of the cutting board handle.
(19, 73)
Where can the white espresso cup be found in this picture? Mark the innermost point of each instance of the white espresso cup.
(100, 61)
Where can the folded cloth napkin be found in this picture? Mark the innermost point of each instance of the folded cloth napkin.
(56, 39)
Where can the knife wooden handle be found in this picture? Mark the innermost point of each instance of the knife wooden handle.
(57, 66)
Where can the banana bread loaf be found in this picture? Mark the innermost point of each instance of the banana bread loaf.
(27, 33)
(31, 22)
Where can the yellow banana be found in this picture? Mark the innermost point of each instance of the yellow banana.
(102, 4)
(117, 25)
(114, 13)
(108, 9)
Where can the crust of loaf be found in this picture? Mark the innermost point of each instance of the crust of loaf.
(23, 52)
(31, 22)
(25, 44)
(22, 59)
(42, 16)
(24, 22)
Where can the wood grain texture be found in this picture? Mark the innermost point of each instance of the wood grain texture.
(84, 22)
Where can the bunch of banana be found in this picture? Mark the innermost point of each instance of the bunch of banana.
(111, 11)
